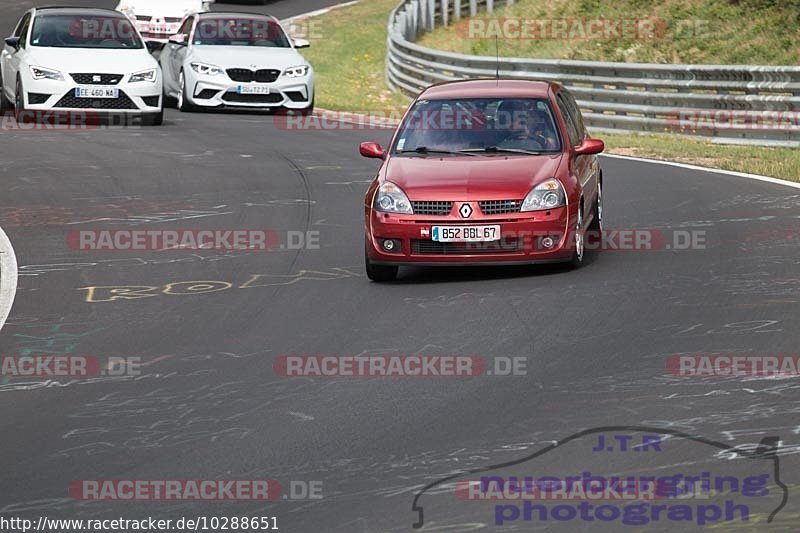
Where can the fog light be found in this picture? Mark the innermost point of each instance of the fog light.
(390, 245)
(548, 242)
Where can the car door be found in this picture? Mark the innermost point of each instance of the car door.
(177, 53)
(10, 56)
(583, 167)
(593, 160)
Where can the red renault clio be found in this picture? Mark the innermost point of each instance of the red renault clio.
(484, 172)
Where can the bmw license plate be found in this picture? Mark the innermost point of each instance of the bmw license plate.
(252, 89)
(96, 92)
(465, 233)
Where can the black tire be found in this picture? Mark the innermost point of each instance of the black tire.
(5, 105)
(20, 113)
(379, 273)
(579, 253)
(596, 226)
(153, 119)
(184, 105)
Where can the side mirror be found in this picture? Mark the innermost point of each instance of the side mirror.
(372, 150)
(178, 38)
(154, 46)
(590, 147)
(13, 42)
(301, 43)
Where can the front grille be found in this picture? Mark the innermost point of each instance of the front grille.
(37, 98)
(70, 101)
(247, 75)
(234, 97)
(148, 18)
(97, 79)
(433, 208)
(423, 247)
(206, 94)
(151, 101)
(500, 207)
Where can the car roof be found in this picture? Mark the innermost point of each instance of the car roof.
(90, 11)
(489, 88)
(234, 14)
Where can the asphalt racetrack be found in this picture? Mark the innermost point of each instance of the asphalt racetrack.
(208, 326)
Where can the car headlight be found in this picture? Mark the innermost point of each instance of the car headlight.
(391, 199)
(296, 72)
(547, 195)
(40, 73)
(145, 75)
(208, 70)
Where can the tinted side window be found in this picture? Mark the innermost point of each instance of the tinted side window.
(22, 30)
(572, 130)
(575, 112)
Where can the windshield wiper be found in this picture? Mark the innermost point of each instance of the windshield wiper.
(495, 150)
(425, 150)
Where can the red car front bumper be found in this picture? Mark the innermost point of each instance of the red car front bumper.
(523, 239)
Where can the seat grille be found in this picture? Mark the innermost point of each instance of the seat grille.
(97, 79)
(70, 101)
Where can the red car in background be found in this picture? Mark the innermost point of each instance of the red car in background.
(484, 172)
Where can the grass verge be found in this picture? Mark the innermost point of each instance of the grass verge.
(349, 55)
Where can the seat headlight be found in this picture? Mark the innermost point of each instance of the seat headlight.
(296, 72)
(547, 195)
(41, 73)
(391, 199)
(145, 75)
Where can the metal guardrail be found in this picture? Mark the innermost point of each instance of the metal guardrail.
(738, 104)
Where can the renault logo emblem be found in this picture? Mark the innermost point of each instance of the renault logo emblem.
(465, 211)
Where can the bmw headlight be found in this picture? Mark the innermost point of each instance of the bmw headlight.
(40, 73)
(296, 72)
(391, 199)
(145, 75)
(207, 70)
(547, 195)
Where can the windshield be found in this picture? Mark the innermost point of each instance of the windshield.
(80, 31)
(240, 31)
(479, 125)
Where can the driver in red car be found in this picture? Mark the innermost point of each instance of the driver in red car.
(527, 127)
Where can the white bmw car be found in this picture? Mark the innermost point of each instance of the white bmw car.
(237, 60)
(158, 19)
(80, 60)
